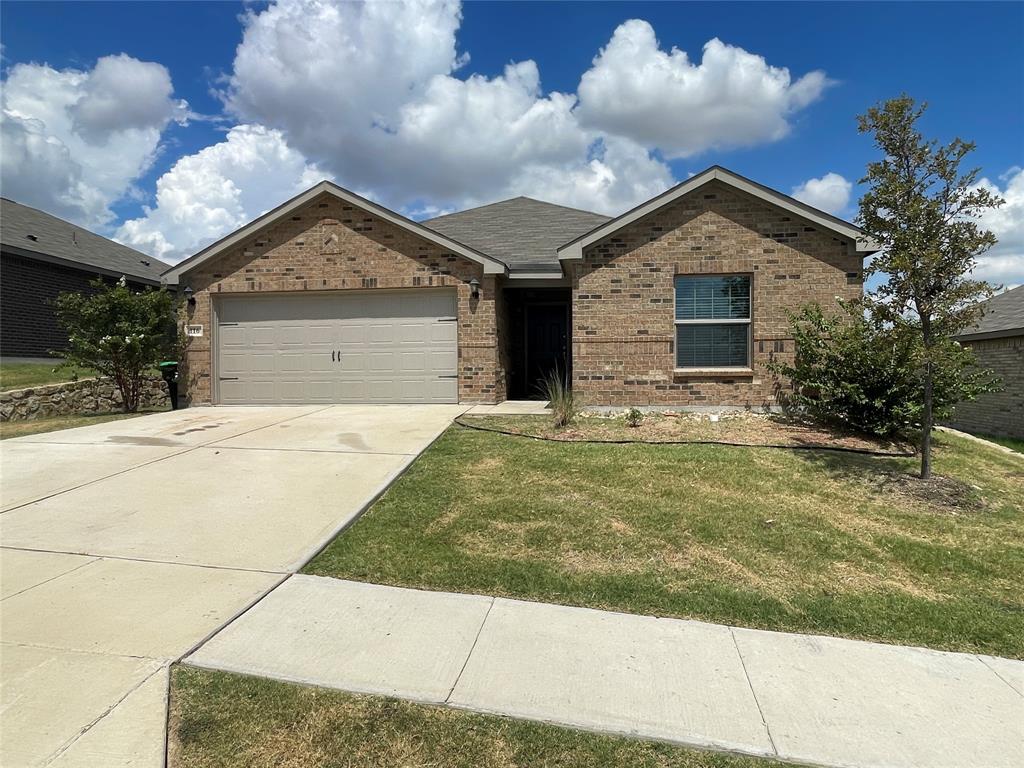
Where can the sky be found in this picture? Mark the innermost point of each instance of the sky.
(167, 125)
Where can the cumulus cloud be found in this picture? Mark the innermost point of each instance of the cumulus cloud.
(74, 141)
(830, 193)
(732, 98)
(217, 190)
(1004, 264)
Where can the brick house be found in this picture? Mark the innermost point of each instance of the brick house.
(41, 257)
(680, 301)
(998, 344)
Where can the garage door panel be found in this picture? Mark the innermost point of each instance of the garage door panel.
(375, 346)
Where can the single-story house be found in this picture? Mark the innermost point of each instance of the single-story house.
(681, 301)
(997, 341)
(41, 257)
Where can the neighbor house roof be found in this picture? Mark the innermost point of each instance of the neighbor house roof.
(1003, 315)
(29, 232)
(491, 265)
(522, 232)
(859, 242)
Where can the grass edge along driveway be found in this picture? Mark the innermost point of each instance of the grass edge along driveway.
(810, 541)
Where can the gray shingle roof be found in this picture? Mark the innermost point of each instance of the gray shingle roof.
(30, 231)
(522, 232)
(1004, 316)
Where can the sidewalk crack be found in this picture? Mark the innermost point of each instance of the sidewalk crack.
(471, 649)
(753, 693)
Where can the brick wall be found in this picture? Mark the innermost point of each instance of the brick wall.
(624, 296)
(998, 413)
(329, 245)
(28, 288)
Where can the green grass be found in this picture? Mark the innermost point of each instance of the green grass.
(808, 541)
(220, 719)
(9, 429)
(1007, 442)
(24, 375)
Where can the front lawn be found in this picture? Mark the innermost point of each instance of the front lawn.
(24, 375)
(1007, 442)
(10, 429)
(809, 541)
(220, 719)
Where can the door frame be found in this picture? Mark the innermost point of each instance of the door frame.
(216, 300)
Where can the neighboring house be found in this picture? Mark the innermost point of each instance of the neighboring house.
(998, 344)
(680, 301)
(41, 257)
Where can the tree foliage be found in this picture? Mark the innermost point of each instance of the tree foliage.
(856, 371)
(922, 211)
(120, 333)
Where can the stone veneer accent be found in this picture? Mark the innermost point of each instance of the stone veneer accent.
(330, 245)
(76, 397)
(624, 296)
(998, 413)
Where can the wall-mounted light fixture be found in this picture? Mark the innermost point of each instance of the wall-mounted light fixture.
(474, 288)
(189, 295)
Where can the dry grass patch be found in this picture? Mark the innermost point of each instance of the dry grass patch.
(221, 720)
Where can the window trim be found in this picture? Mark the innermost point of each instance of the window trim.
(748, 321)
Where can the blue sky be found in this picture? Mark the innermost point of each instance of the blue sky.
(390, 143)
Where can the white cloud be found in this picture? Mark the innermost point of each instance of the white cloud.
(217, 190)
(74, 141)
(732, 98)
(830, 193)
(1004, 264)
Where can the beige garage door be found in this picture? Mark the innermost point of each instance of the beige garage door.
(367, 347)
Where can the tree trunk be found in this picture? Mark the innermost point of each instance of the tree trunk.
(926, 424)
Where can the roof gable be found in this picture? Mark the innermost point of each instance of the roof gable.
(1002, 315)
(522, 232)
(859, 243)
(32, 233)
(490, 264)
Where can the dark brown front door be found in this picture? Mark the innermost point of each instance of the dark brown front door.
(547, 344)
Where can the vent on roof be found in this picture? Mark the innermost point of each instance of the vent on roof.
(143, 261)
(33, 238)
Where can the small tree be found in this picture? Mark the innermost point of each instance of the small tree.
(856, 371)
(921, 210)
(119, 333)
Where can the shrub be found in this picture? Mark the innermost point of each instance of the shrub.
(119, 333)
(634, 417)
(558, 391)
(855, 371)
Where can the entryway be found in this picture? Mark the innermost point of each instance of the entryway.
(540, 339)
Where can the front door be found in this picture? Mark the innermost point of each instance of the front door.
(547, 344)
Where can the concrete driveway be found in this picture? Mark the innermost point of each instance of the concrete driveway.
(126, 544)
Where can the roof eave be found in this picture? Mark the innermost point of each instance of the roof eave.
(81, 266)
(173, 275)
(859, 243)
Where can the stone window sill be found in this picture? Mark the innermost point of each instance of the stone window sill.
(725, 373)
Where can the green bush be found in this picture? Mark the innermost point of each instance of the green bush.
(634, 417)
(857, 372)
(119, 333)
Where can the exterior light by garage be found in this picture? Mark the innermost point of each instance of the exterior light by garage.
(474, 288)
(189, 297)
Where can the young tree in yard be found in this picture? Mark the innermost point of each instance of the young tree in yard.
(922, 210)
(120, 333)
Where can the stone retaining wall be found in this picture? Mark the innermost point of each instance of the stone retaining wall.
(76, 397)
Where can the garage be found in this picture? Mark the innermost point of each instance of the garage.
(374, 346)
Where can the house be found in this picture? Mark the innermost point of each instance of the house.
(680, 301)
(41, 257)
(997, 341)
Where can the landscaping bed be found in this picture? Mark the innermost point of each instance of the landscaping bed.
(219, 719)
(753, 429)
(810, 541)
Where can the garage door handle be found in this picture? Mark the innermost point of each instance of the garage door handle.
(333, 353)
(228, 378)
(449, 376)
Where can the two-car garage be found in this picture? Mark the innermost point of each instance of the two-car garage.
(375, 346)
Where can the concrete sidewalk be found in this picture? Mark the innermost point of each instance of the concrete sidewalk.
(818, 700)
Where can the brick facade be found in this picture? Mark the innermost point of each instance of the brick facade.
(999, 413)
(624, 296)
(329, 245)
(28, 289)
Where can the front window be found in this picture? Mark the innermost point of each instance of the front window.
(713, 321)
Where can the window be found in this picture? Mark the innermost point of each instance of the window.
(713, 321)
